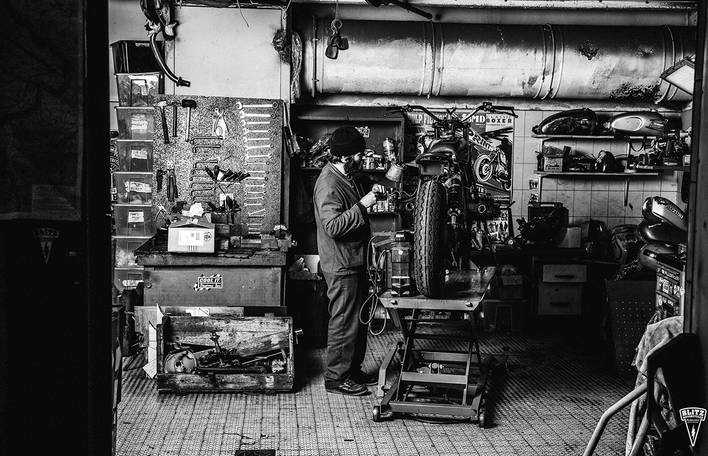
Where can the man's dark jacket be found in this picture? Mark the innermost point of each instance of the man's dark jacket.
(342, 224)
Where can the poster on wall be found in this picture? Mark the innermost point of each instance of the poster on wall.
(41, 126)
(494, 140)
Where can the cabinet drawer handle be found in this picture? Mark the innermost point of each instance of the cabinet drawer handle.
(559, 304)
(564, 276)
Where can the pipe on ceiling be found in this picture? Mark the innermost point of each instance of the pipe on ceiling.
(495, 61)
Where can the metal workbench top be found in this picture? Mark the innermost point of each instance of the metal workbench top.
(463, 291)
(154, 253)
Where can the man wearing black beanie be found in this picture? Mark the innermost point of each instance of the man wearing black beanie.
(343, 233)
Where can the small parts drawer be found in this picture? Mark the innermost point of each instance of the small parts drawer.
(564, 273)
(134, 156)
(133, 220)
(133, 188)
(559, 299)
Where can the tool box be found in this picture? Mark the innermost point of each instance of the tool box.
(224, 354)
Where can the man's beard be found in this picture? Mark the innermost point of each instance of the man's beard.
(352, 167)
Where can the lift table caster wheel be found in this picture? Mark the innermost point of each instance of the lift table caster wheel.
(379, 413)
(376, 414)
(482, 419)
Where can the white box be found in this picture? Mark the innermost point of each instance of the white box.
(192, 236)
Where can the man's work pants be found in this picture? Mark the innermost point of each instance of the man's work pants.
(346, 335)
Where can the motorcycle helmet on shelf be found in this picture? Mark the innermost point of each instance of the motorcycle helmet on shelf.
(581, 121)
(625, 243)
(606, 162)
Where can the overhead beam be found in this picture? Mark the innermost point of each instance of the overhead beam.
(683, 5)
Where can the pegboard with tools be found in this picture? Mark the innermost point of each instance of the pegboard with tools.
(208, 148)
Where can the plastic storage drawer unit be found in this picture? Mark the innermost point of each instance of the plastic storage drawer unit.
(125, 250)
(134, 155)
(135, 123)
(133, 220)
(127, 278)
(139, 89)
(133, 188)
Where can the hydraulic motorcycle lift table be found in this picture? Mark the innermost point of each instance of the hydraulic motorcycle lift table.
(466, 373)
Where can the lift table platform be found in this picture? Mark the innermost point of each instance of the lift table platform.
(424, 373)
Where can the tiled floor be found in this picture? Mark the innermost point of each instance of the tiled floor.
(551, 397)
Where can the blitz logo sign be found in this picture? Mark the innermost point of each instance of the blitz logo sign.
(692, 418)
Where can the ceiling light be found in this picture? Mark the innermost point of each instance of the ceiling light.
(681, 74)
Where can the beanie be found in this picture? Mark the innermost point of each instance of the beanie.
(346, 141)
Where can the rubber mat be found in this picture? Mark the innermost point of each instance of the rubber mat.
(547, 403)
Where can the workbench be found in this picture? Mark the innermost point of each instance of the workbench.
(241, 277)
(433, 381)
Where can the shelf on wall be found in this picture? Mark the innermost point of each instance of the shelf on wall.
(665, 168)
(314, 168)
(581, 174)
(590, 137)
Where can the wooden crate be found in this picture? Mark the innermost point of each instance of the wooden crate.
(251, 335)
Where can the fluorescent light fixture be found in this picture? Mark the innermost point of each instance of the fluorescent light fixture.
(681, 74)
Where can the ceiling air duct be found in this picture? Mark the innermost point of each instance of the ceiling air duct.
(493, 61)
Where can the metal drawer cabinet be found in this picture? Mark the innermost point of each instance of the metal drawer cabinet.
(565, 273)
(559, 299)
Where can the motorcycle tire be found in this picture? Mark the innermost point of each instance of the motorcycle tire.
(483, 168)
(428, 243)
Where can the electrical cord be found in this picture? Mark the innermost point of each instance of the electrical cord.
(373, 272)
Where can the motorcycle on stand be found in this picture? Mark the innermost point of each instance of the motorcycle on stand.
(455, 162)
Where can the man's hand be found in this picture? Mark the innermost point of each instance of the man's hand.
(378, 189)
(368, 200)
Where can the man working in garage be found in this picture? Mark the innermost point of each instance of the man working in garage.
(343, 233)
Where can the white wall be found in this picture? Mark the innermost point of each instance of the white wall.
(215, 50)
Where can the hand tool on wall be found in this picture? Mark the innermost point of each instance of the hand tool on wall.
(165, 133)
(171, 185)
(158, 177)
(194, 139)
(175, 106)
(189, 104)
(240, 105)
(218, 125)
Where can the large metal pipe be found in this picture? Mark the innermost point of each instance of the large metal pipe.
(491, 61)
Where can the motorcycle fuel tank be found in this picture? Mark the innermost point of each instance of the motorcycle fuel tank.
(661, 210)
(661, 232)
(571, 122)
(639, 123)
(649, 254)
